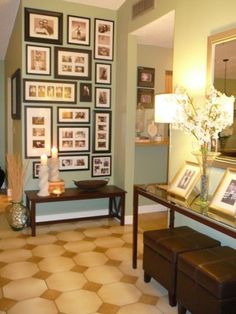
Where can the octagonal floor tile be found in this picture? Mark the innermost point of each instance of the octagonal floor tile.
(12, 243)
(119, 254)
(97, 232)
(24, 288)
(164, 307)
(19, 270)
(152, 288)
(103, 274)
(127, 268)
(56, 264)
(121, 229)
(70, 236)
(62, 226)
(78, 302)
(41, 239)
(79, 246)
(90, 259)
(35, 305)
(17, 255)
(139, 308)
(48, 250)
(119, 293)
(109, 242)
(66, 281)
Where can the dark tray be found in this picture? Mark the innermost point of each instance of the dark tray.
(90, 185)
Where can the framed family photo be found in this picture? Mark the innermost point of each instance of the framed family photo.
(73, 139)
(38, 60)
(16, 95)
(38, 131)
(50, 91)
(224, 198)
(103, 73)
(72, 63)
(73, 115)
(101, 166)
(43, 26)
(185, 180)
(85, 92)
(36, 168)
(102, 97)
(104, 39)
(146, 77)
(102, 131)
(78, 30)
(145, 97)
(74, 162)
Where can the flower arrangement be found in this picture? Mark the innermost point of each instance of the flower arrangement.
(206, 119)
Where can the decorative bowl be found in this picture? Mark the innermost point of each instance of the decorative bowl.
(90, 185)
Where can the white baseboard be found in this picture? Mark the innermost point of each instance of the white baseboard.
(144, 210)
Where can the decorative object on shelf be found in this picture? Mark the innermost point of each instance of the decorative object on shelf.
(56, 188)
(2, 177)
(17, 213)
(139, 125)
(54, 166)
(91, 185)
(152, 130)
(43, 176)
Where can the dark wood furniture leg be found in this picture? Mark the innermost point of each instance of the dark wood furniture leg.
(135, 227)
(32, 219)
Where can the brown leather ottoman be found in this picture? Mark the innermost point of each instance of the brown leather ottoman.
(161, 251)
(206, 281)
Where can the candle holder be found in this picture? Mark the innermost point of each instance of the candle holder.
(43, 181)
(54, 170)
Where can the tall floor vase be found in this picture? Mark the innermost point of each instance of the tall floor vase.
(17, 216)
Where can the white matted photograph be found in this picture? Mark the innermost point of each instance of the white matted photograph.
(74, 162)
(102, 131)
(38, 60)
(102, 97)
(78, 30)
(101, 166)
(73, 139)
(73, 115)
(104, 39)
(103, 73)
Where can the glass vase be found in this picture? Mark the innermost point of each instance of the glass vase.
(17, 216)
(205, 160)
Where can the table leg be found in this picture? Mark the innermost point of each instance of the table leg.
(122, 210)
(172, 219)
(32, 218)
(135, 227)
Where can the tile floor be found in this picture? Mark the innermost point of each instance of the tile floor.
(76, 268)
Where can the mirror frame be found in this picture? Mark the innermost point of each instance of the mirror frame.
(221, 161)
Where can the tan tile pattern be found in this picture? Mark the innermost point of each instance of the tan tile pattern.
(75, 268)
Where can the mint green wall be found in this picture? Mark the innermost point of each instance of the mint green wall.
(2, 114)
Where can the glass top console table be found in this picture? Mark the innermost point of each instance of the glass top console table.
(189, 208)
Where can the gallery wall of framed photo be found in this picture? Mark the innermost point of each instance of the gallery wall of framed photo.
(67, 89)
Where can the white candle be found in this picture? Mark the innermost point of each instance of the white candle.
(44, 160)
(54, 152)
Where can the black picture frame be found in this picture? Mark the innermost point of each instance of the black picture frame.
(37, 91)
(73, 139)
(79, 162)
(102, 122)
(38, 131)
(72, 63)
(16, 95)
(101, 166)
(103, 97)
(145, 97)
(35, 169)
(103, 39)
(85, 92)
(43, 26)
(38, 60)
(146, 77)
(78, 30)
(73, 115)
(103, 73)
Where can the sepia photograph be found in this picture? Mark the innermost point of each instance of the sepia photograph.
(103, 73)
(74, 162)
(102, 97)
(101, 166)
(78, 30)
(73, 138)
(38, 60)
(104, 39)
(102, 131)
(73, 115)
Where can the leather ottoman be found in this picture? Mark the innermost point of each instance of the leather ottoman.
(161, 250)
(206, 281)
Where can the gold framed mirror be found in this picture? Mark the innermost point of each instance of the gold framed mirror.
(221, 72)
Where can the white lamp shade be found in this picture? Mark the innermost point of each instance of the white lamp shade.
(165, 108)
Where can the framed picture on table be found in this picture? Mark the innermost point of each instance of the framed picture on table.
(185, 180)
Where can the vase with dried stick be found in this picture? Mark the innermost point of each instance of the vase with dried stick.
(17, 213)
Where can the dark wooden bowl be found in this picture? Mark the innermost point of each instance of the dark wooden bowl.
(90, 185)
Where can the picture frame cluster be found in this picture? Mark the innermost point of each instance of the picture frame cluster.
(69, 83)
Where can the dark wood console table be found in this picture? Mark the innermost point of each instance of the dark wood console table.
(189, 208)
(116, 207)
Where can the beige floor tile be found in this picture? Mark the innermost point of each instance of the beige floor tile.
(91, 259)
(66, 281)
(78, 302)
(92, 286)
(80, 246)
(24, 288)
(120, 254)
(148, 299)
(109, 242)
(163, 306)
(69, 236)
(103, 274)
(12, 243)
(19, 270)
(48, 250)
(51, 294)
(56, 264)
(151, 288)
(106, 308)
(119, 293)
(59, 227)
(126, 268)
(42, 239)
(88, 224)
(97, 232)
(35, 306)
(139, 308)
(129, 279)
(121, 229)
(16, 255)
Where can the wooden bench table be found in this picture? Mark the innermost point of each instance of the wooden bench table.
(112, 192)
